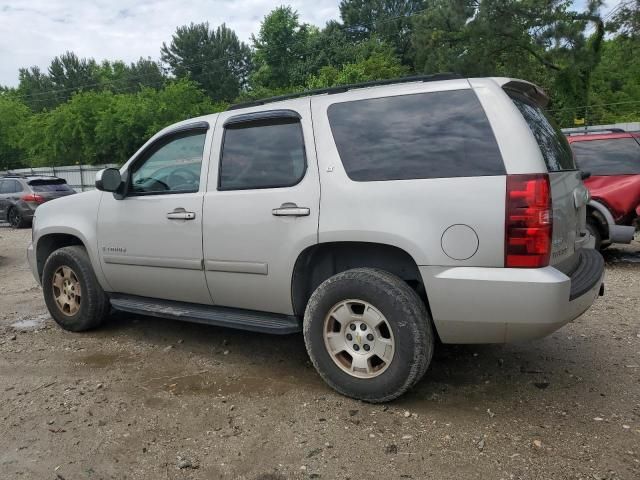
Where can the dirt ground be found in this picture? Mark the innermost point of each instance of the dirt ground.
(148, 398)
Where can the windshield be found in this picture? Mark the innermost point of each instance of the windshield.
(616, 156)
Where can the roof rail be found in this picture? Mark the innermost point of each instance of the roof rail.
(345, 88)
(596, 130)
(12, 175)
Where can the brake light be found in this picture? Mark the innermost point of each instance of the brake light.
(528, 221)
(33, 197)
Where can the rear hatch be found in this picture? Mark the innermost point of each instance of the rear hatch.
(49, 188)
(569, 196)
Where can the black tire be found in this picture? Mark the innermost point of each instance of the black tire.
(94, 304)
(594, 230)
(14, 217)
(406, 315)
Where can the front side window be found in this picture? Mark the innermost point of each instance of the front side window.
(265, 154)
(553, 144)
(620, 156)
(171, 167)
(426, 135)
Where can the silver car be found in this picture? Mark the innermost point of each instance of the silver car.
(372, 218)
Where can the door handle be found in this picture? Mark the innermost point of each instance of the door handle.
(181, 214)
(290, 210)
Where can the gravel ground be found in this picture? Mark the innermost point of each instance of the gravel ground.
(148, 398)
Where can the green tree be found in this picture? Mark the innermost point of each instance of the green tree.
(215, 59)
(280, 50)
(541, 40)
(13, 116)
(378, 65)
(390, 20)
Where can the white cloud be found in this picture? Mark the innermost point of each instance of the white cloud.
(33, 32)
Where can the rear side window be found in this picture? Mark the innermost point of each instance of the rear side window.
(266, 154)
(426, 135)
(55, 185)
(620, 156)
(10, 186)
(552, 142)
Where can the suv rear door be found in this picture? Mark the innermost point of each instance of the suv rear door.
(569, 196)
(262, 204)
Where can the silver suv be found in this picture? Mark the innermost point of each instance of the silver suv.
(373, 218)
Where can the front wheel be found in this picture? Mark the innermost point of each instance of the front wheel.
(368, 334)
(72, 293)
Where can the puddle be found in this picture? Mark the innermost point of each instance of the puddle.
(103, 360)
(29, 324)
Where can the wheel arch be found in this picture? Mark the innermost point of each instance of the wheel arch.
(602, 216)
(49, 243)
(317, 263)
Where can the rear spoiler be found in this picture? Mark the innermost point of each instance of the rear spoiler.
(529, 90)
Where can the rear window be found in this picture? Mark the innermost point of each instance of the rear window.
(620, 156)
(552, 142)
(53, 185)
(426, 135)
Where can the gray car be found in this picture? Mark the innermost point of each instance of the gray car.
(20, 195)
(371, 218)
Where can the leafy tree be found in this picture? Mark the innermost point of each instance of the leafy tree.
(540, 40)
(13, 115)
(391, 20)
(118, 77)
(215, 59)
(280, 49)
(378, 65)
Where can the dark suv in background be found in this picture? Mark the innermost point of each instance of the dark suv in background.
(20, 195)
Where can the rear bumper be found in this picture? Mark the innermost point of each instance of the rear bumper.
(621, 233)
(498, 305)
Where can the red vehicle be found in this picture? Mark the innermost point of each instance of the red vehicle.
(612, 157)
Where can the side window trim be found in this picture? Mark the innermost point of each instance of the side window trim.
(262, 118)
(157, 144)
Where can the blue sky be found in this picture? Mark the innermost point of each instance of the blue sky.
(32, 32)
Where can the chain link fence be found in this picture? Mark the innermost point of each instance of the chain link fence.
(79, 177)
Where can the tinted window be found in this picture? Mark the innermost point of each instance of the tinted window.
(268, 154)
(427, 135)
(10, 186)
(608, 157)
(173, 167)
(553, 144)
(54, 185)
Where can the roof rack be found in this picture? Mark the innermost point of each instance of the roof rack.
(597, 130)
(344, 88)
(12, 175)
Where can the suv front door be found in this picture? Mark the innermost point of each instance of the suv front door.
(150, 241)
(261, 206)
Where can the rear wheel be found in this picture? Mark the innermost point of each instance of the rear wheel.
(368, 334)
(594, 230)
(72, 293)
(15, 218)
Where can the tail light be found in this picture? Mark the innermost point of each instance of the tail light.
(528, 221)
(33, 197)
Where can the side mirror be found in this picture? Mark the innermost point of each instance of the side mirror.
(108, 180)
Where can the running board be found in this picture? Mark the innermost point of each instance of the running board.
(207, 314)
